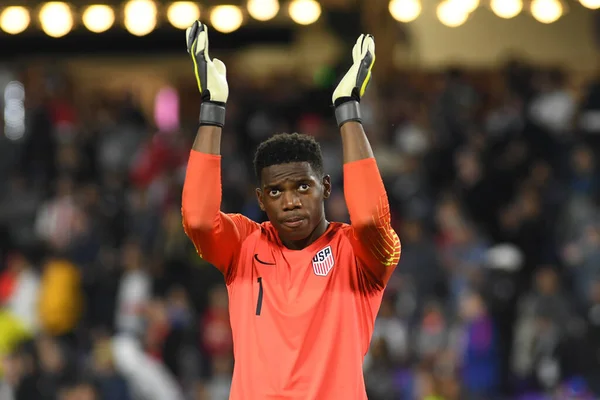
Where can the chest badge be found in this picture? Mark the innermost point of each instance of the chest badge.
(323, 261)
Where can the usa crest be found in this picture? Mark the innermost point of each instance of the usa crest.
(323, 261)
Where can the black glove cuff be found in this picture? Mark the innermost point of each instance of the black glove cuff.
(348, 111)
(212, 114)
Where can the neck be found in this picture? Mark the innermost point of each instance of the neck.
(314, 235)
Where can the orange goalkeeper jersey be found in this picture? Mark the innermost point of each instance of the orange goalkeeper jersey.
(302, 320)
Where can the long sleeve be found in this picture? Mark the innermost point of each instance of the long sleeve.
(217, 236)
(376, 245)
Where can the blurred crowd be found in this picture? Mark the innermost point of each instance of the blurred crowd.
(494, 189)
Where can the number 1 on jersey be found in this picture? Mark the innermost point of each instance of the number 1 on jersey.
(260, 296)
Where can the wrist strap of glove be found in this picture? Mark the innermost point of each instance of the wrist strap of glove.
(212, 114)
(348, 111)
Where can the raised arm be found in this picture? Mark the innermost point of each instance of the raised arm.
(376, 245)
(216, 236)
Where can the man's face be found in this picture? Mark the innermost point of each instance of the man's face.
(292, 195)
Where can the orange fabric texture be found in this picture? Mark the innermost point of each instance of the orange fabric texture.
(301, 320)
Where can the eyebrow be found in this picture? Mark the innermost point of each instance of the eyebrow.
(294, 180)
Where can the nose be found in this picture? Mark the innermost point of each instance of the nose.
(291, 201)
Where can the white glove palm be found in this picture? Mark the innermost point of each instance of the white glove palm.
(355, 82)
(210, 74)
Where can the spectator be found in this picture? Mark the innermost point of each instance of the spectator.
(543, 317)
(216, 339)
(60, 297)
(56, 218)
(22, 290)
(478, 354)
(391, 329)
(379, 378)
(489, 187)
(134, 291)
(110, 385)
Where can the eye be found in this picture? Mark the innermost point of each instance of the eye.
(274, 192)
(303, 187)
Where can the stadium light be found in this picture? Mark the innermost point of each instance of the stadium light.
(182, 14)
(467, 6)
(226, 18)
(304, 12)
(56, 19)
(14, 20)
(405, 10)
(591, 4)
(450, 14)
(140, 17)
(98, 18)
(506, 8)
(263, 10)
(546, 11)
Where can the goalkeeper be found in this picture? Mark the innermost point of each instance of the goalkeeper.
(303, 292)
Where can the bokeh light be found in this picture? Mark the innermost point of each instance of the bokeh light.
(263, 10)
(14, 110)
(98, 18)
(140, 17)
(14, 20)
(546, 11)
(226, 18)
(451, 15)
(506, 8)
(304, 12)
(405, 10)
(591, 4)
(182, 14)
(56, 19)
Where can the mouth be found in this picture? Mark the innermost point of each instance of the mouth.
(293, 222)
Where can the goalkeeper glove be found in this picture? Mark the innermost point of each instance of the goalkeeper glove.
(210, 75)
(347, 95)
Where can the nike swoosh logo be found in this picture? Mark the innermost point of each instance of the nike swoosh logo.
(262, 262)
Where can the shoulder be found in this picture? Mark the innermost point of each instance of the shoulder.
(267, 229)
(339, 228)
(342, 229)
(240, 219)
(266, 232)
(340, 225)
(339, 234)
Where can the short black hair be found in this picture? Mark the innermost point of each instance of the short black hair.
(286, 148)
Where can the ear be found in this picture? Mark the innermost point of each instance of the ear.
(259, 198)
(326, 186)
